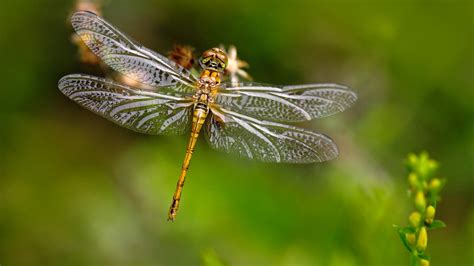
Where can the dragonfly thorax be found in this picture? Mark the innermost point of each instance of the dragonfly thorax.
(207, 86)
(205, 94)
(209, 79)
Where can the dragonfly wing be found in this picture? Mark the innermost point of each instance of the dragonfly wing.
(266, 141)
(287, 103)
(142, 111)
(125, 55)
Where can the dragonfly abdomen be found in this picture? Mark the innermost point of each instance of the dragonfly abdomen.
(201, 110)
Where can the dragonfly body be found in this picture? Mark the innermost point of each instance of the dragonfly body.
(214, 62)
(244, 119)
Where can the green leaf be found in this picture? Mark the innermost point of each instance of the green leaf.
(436, 224)
(406, 229)
(424, 256)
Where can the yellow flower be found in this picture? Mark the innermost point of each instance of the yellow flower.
(424, 262)
(430, 213)
(422, 239)
(413, 180)
(411, 238)
(435, 184)
(415, 218)
(420, 201)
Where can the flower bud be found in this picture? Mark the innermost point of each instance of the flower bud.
(411, 238)
(424, 262)
(435, 184)
(429, 214)
(432, 165)
(420, 201)
(422, 239)
(412, 159)
(415, 218)
(413, 180)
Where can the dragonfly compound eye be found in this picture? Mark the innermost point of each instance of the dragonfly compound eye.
(214, 59)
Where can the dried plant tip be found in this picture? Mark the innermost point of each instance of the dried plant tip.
(85, 54)
(182, 55)
(235, 66)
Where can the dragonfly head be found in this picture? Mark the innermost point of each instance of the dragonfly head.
(214, 59)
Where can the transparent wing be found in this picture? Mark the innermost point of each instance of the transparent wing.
(287, 103)
(147, 112)
(125, 55)
(266, 141)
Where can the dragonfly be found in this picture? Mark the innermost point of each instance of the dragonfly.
(249, 120)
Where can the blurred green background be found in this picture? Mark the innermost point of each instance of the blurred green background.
(76, 189)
